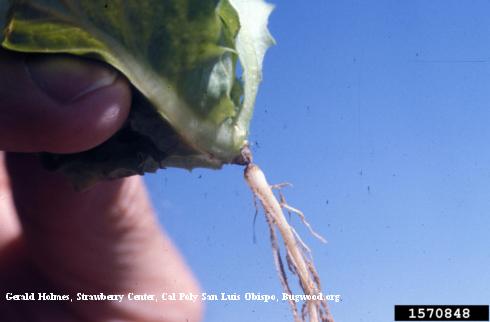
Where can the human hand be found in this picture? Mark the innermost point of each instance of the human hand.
(54, 239)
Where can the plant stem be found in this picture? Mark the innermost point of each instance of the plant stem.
(317, 310)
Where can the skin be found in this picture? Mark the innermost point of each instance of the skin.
(54, 239)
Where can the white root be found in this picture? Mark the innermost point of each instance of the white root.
(297, 254)
(303, 219)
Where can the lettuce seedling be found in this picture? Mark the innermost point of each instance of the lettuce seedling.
(190, 107)
(195, 67)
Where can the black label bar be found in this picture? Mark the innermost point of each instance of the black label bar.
(441, 312)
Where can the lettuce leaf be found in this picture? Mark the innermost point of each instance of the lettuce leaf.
(190, 107)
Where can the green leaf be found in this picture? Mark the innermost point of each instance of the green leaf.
(3, 12)
(190, 109)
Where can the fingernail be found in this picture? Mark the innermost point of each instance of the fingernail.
(65, 78)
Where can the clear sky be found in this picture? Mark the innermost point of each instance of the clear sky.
(378, 113)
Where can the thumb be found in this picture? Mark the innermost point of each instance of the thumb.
(58, 103)
(105, 239)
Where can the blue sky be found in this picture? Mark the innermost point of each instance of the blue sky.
(377, 112)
